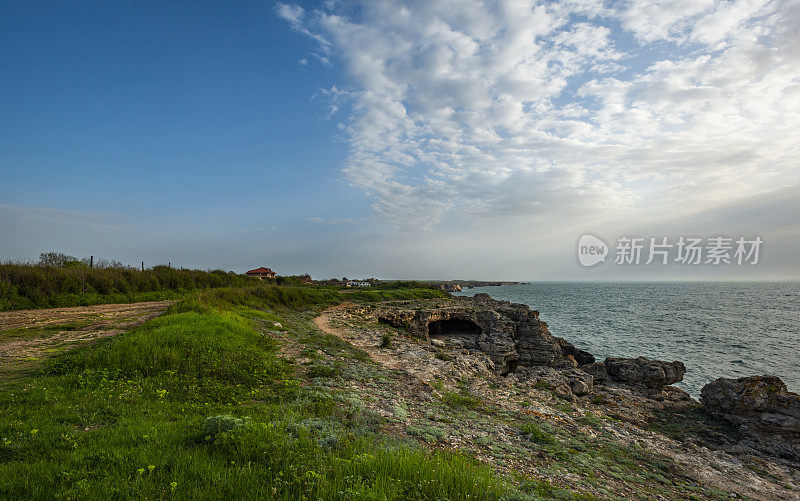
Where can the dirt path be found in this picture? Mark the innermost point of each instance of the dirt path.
(362, 339)
(29, 336)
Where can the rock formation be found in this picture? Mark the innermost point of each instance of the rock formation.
(768, 415)
(650, 373)
(510, 334)
(516, 342)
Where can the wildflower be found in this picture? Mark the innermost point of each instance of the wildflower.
(34, 431)
(173, 485)
(151, 468)
(140, 471)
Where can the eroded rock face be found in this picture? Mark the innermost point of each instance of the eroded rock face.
(767, 413)
(510, 334)
(514, 340)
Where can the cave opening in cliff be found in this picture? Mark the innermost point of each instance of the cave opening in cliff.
(453, 327)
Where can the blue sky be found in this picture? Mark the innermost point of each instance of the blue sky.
(174, 116)
(396, 139)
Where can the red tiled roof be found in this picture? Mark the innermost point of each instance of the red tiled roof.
(260, 270)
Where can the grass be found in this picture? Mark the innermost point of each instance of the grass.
(27, 286)
(461, 399)
(199, 404)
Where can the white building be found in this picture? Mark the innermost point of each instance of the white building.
(357, 284)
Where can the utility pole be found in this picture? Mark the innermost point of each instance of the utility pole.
(91, 262)
(142, 265)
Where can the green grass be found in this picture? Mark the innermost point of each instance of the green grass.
(198, 404)
(535, 433)
(461, 399)
(25, 286)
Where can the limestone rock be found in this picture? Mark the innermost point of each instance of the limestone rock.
(512, 335)
(768, 415)
(579, 387)
(762, 400)
(597, 370)
(651, 373)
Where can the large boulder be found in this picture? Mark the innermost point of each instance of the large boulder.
(767, 414)
(651, 373)
(762, 401)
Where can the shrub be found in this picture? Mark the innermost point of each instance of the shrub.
(461, 399)
(536, 434)
(322, 371)
(214, 425)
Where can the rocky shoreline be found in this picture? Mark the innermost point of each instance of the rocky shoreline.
(517, 341)
(450, 341)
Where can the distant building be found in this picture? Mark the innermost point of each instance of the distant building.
(261, 273)
(357, 284)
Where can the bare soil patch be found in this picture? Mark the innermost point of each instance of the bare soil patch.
(28, 337)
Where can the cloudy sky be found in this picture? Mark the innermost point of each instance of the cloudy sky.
(429, 139)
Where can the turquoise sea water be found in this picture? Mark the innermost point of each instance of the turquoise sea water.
(718, 329)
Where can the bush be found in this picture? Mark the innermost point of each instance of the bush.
(536, 434)
(322, 371)
(214, 425)
(68, 282)
(462, 399)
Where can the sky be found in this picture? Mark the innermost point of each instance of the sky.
(451, 139)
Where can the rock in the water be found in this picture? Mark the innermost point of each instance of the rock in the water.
(651, 373)
(580, 356)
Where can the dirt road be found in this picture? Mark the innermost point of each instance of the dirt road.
(30, 336)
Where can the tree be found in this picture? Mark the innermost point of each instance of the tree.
(55, 259)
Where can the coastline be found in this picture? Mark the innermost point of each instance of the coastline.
(715, 334)
(461, 349)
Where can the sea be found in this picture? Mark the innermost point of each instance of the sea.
(718, 329)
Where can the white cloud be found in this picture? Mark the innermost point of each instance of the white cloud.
(466, 108)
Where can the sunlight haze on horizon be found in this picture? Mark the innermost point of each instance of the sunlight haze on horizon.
(414, 140)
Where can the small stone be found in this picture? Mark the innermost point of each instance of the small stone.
(579, 388)
(437, 342)
(564, 391)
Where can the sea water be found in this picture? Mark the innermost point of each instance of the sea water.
(718, 329)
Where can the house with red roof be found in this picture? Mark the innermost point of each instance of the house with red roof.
(261, 273)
